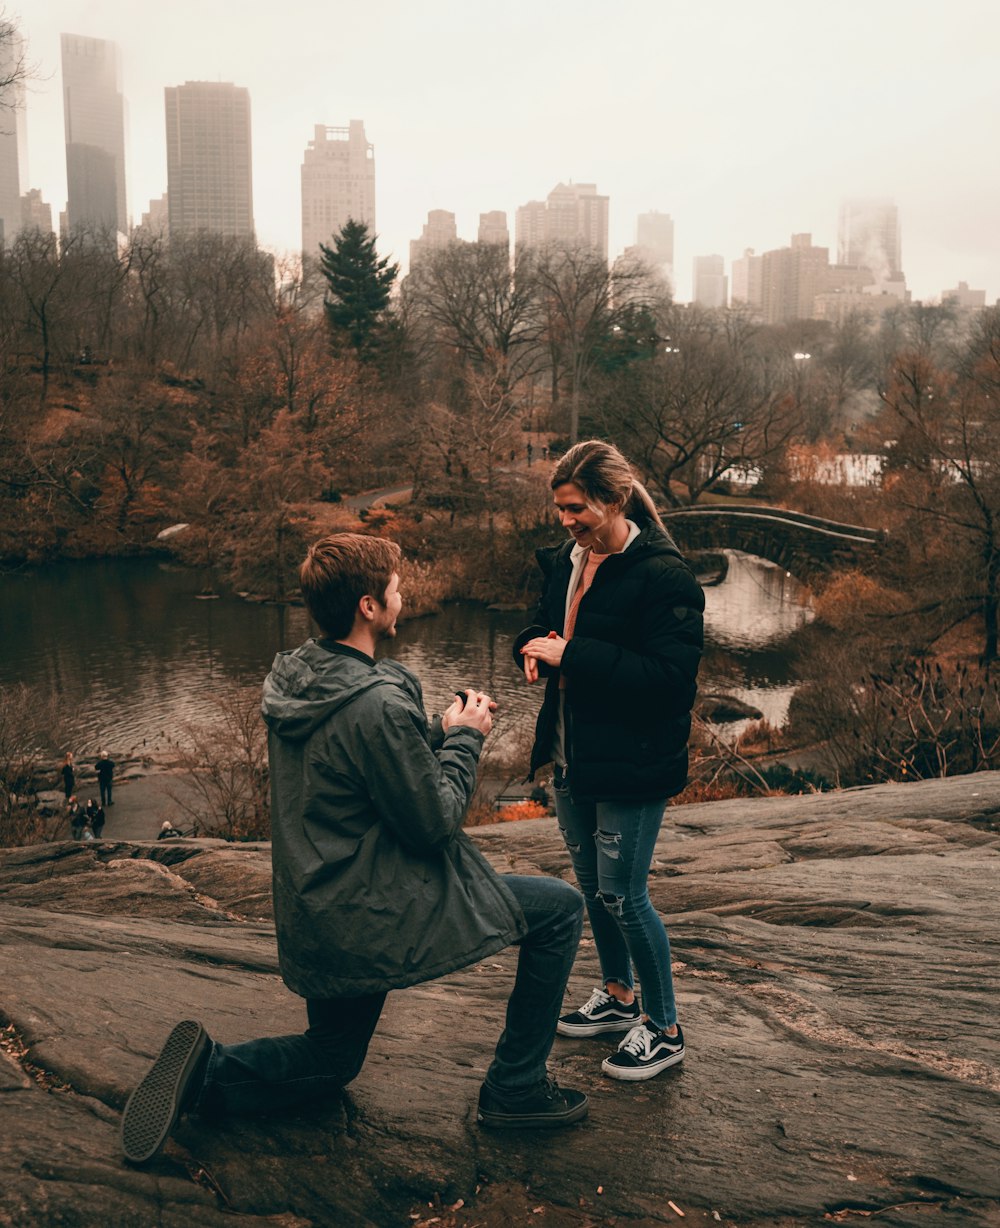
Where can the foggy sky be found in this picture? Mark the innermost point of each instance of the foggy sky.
(746, 122)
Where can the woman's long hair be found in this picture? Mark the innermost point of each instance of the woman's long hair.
(605, 477)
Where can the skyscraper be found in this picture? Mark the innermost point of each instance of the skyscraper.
(573, 213)
(13, 140)
(529, 224)
(654, 237)
(338, 183)
(94, 116)
(747, 279)
(868, 236)
(711, 285)
(209, 162)
(791, 278)
(36, 214)
(493, 228)
(439, 231)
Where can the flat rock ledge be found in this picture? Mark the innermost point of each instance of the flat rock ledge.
(836, 958)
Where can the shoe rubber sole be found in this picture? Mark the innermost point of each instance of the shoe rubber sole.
(635, 1074)
(596, 1029)
(155, 1104)
(532, 1121)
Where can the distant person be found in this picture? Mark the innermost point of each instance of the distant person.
(168, 831)
(531, 451)
(77, 818)
(618, 638)
(68, 776)
(105, 776)
(376, 885)
(95, 817)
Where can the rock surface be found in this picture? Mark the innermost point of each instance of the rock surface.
(837, 974)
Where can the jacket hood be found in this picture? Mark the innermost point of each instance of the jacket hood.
(307, 685)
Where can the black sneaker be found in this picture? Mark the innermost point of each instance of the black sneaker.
(600, 1013)
(543, 1106)
(169, 1086)
(644, 1053)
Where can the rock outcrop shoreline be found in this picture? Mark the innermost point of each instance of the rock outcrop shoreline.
(837, 969)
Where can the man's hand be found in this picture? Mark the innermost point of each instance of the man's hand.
(549, 649)
(476, 712)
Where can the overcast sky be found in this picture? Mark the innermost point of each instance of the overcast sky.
(744, 121)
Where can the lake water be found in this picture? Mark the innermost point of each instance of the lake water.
(135, 657)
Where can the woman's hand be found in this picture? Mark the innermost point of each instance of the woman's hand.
(549, 648)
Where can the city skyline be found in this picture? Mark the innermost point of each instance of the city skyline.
(470, 115)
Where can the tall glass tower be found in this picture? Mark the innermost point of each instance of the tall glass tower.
(94, 116)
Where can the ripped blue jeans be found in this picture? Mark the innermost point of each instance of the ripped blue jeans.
(611, 846)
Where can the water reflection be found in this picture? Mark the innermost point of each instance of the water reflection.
(748, 620)
(133, 656)
(758, 604)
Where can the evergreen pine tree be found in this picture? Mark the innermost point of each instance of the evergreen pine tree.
(358, 288)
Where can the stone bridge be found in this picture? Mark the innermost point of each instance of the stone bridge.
(807, 546)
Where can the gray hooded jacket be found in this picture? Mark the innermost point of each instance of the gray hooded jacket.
(376, 886)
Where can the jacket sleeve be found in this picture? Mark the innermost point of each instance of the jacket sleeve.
(671, 637)
(420, 794)
(548, 617)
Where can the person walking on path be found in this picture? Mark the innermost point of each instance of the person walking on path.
(105, 776)
(68, 776)
(376, 886)
(618, 637)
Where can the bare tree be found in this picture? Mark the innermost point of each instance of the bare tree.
(227, 773)
(15, 69)
(467, 296)
(582, 301)
(29, 721)
(945, 462)
(706, 403)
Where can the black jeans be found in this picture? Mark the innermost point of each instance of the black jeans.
(279, 1072)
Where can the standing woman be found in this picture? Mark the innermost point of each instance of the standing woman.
(69, 776)
(618, 637)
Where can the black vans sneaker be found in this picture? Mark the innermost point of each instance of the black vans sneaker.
(543, 1106)
(169, 1086)
(600, 1013)
(644, 1053)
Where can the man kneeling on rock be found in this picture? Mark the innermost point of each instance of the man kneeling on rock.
(376, 886)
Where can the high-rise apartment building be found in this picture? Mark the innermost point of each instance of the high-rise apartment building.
(439, 231)
(94, 117)
(529, 224)
(338, 183)
(572, 214)
(711, 285)
(209, 165)
(654, 237)
(748, 279)
(13, 139)
(868, 237)
(791, 279)
(36, 214)
(156, 219)
(964, 299)
(493, 228)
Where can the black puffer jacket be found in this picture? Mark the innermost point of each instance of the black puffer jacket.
(631, 669)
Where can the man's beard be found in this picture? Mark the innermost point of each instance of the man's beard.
(385, 630)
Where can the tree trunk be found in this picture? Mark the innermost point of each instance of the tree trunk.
(991, 603)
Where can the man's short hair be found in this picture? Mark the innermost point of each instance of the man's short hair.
(341, 569)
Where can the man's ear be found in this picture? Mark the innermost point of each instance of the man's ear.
(367, 607)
